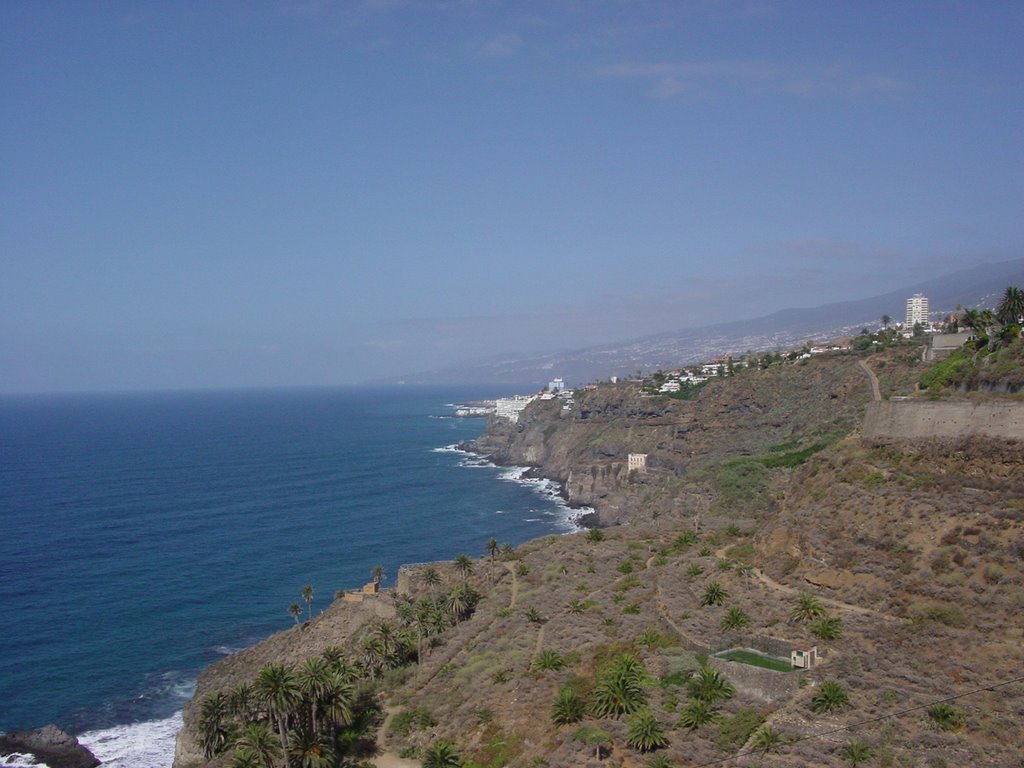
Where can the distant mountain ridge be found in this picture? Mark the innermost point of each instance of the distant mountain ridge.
(981, 285)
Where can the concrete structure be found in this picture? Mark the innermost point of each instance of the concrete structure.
(510, 407)
(917, 311)
(556, 385)
(940, 345)
(637, 462)
(908, 420)
(804, 657)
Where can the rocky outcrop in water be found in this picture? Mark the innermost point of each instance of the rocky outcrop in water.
(48, 745)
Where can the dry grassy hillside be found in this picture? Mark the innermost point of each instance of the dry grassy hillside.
(766, 523)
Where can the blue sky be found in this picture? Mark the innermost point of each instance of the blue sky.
(215, 194)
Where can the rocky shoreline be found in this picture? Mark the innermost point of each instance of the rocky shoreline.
(48, 745)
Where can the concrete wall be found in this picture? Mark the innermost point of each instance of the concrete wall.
(898, 420)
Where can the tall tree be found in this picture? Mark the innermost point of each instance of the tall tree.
(307, 595)
(431, 578)
(1011, 306)
(257, 739)
(378, 574)
(492, 550)
(312, 678)
(278, 687)
(214, 725)
(464, 566)
(296, 611)
(886, 320)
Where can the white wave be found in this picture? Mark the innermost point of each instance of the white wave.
(227, 650)
(568, 517)
(453, 448)
(18, 760)
(140, 745)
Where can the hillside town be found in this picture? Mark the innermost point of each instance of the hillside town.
(944, 334)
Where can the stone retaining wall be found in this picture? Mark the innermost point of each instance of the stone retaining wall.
(902, 420)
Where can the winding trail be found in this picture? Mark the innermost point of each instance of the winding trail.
(515, 585)
(876, 392)
(771, 583)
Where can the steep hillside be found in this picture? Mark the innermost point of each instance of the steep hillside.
(765, 523)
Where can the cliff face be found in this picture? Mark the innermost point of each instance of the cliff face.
(914, 550)
(586, 448)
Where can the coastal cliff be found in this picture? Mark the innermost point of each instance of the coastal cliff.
(765, 523)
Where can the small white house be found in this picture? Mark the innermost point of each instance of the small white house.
(804, 657)
(637, 462)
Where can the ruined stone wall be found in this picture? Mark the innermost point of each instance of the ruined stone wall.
(903, 420)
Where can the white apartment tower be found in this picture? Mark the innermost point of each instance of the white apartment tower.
(917, 310)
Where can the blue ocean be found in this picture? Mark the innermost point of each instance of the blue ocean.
(147, 535)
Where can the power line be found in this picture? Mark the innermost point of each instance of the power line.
(860, 723)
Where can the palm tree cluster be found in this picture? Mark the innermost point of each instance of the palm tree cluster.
(432, 615)
(308, 716)
(1004, 323)
(707, 689)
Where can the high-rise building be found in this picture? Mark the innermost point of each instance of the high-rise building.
(917, 310)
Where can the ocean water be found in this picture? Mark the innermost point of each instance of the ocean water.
(147, 535)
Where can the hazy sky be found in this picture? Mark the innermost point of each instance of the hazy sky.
(198, 194)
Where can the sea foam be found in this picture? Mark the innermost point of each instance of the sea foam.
(140, 745)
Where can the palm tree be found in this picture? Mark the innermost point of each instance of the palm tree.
(296, 611)
(378, 574)
(734, 619)
(548, 660)
(243, 758)
(385, 632)
(568, 707)
(457, 602)
(307, 595)
(492, 550)
(886, 320)
(431, 578)
(807, 608)
(593, 737)
(620, 692)
(464, 566)
(709, 685)
(828, 628)
(214, 725)
(645, 732)
(258, 740)
(829, 699)
(241, 701)
(310, 750)
(277, 685)
(767, 739)
(312, 678)
(856, 752)
(745, 572)
(441, 754)
(1011, 306)
(338, 699)
(714, 594)
(697, 713)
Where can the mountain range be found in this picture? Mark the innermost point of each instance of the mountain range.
(979, 286)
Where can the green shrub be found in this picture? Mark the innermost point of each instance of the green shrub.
(946, 717)
(734, 731)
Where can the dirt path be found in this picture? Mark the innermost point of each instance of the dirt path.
(388, 759)
(540, 642)
(515, 585)
(875, 391)
(771, 583)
